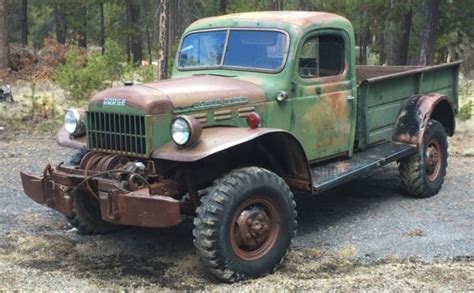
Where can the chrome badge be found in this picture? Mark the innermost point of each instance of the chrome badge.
(114, 102)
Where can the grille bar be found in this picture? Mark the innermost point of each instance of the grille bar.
(116, 133)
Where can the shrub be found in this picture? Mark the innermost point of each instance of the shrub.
(144, 73)
(81, 75)
(465, 113)
(114, 59)
(73, 76)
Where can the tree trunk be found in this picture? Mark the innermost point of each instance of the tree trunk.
(222, 6)
(24, 22)
(172, 25)
(364, 39)
(163, 40)
(407, 22)
(102, 26)
(383, 53)
(60, 24)
(275, 4)
(397, 33)
(133, 16)
(428, 32)
(127, 49)
(4, 52)
(148, 43)
(303, 5)
(82, 34)
(392, 34)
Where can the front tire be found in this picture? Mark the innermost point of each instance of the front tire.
(423, 173)
(245, 224)
(86, 217)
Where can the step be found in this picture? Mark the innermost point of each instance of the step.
(329, 175)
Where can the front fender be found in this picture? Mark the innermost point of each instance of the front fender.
(64, 139)
(213, 140)
(290, 161)
(417, 111)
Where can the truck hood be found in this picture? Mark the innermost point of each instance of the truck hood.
(184, 94)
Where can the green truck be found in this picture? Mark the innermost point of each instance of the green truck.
(260, 105)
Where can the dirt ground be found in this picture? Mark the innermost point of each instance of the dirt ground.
(363, 235)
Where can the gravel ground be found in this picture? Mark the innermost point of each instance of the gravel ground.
(363, 235)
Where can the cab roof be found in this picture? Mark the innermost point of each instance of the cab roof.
(277, 19)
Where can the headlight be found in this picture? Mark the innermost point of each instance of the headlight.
(185, 130)
(73, 123)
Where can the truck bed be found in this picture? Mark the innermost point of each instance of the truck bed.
(382, 90)
(365, 72)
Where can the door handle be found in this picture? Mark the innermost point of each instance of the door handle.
(350, 98)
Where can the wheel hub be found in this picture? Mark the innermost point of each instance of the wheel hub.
(433, 160)
(253, 227)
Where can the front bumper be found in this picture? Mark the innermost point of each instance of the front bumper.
(137, 208)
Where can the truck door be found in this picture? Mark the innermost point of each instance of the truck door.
(323, 99)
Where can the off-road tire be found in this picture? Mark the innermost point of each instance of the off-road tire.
(413, 169)
(215, 219)
(76, 158)
(86, 216)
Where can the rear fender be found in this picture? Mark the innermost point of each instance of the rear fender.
(417, 111)
(286, 156)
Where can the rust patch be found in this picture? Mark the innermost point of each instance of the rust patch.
(298, 18)
(187, 92)
(139, 209)
(57, 187)
(338, 102)
(212, 140)
(415, 114)
(148, 100)
(162, 96)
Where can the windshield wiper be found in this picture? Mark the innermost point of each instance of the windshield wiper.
(214, 74)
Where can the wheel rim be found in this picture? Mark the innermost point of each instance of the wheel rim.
(255, 227)
(433, 160)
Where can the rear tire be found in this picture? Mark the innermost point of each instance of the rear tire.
(245, 224)
(423, 173)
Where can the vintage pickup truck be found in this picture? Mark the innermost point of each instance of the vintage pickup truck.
(260, 105)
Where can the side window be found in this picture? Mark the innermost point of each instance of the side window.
(322, 56)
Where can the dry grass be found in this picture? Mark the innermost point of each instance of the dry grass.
(56, 263)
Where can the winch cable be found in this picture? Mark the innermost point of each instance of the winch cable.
(87, 178)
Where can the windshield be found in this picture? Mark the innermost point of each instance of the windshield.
(247, 49)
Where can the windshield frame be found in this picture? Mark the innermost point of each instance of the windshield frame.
(240, 68)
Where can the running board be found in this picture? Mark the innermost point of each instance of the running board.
(341, 171)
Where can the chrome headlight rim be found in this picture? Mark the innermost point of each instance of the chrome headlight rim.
(73, 122)
(192, 127)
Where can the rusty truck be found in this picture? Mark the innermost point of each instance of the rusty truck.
(259, 106)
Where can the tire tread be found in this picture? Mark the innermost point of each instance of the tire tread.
(210, 213)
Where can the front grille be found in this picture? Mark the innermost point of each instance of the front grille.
(117, 133)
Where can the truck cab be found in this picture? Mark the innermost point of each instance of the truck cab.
(304, 62)
(260, 105)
